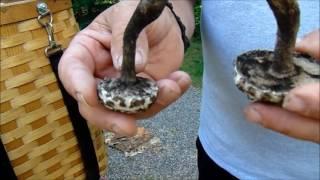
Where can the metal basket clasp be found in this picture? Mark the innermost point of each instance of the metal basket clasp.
(45, 19)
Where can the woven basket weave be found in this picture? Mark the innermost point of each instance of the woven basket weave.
(35, 127)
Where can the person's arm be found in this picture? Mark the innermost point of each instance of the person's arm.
(300, 115)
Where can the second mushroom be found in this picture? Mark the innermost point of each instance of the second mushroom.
(268, 76)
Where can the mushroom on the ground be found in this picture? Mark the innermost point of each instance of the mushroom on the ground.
(129, 93)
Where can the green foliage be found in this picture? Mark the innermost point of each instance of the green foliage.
(197, 14)
(86, 10)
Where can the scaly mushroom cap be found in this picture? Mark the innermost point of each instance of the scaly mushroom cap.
(136, 97)
(252, 78)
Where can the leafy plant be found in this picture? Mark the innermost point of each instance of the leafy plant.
(86, 10)
(197, 14)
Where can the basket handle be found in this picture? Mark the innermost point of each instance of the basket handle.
(6, 168)
(80, 127)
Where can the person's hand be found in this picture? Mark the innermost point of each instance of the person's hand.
(299, 116)
(96, 52)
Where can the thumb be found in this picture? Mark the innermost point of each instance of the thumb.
(81, 85)
(310, 44)
(304, 100)
(121, 15)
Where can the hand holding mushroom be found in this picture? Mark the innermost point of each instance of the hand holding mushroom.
(285, 78)
(299, 116)
(269, 75)
(96, 53)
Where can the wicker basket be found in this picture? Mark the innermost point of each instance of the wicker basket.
(35, 127)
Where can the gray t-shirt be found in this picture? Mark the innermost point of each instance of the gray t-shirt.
(246, 150)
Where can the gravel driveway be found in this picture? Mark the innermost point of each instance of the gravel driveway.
(175, 156)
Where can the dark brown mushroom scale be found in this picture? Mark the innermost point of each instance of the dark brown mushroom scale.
(269, 75)
(129, 93)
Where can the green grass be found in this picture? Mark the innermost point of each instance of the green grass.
(193, 63)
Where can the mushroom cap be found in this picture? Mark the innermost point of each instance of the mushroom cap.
(252, 76)
(128, 98)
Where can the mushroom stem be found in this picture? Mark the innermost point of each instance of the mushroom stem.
(287, 14)
(146, 12)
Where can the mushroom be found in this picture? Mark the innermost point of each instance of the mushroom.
(130, 93)
(269, 75)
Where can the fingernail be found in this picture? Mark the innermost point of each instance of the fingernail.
(139, 58)
(293, 103)
(81, 99)
(118, 62)
(117, 130)
(253, 114)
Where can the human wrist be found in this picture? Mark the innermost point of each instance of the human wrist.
(184, 10)
(182, 27)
